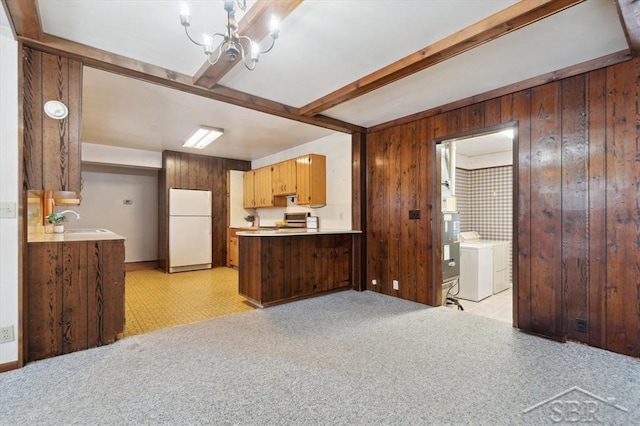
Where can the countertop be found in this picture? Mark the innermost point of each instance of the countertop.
(284, 232)
(75, 235)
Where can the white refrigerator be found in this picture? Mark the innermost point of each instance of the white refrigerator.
(190, 244)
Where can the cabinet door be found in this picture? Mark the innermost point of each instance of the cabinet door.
(284, 177)
(248, 190)
(233, 251)
(311, 180)
(263, 189)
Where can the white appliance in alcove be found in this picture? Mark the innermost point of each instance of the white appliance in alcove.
(190, 246)
(484, 266)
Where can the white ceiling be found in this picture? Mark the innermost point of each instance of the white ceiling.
(323, 45)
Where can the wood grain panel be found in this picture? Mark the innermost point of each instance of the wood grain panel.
(378, 220)
(95, 298)
(32, 117)
(424, 190)
(44, 295)
(521, 111)
(408, 198)
(493, 112)
(597, 125)
(575, 238)
(113, 291)
(546, 180)
(74, 297)
(394, 203)
(623, 210)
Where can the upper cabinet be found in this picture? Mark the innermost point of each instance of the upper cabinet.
(258, 189)
(303, 177)
(284, 177)
(248, 190)
(51, 147)
(311, 180)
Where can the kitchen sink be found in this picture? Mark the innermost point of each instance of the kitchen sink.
(85, 231)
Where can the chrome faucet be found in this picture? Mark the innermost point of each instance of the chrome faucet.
(72, 211)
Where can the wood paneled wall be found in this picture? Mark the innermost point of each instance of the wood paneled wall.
(577, 178)
(51, 147)
(191, 171)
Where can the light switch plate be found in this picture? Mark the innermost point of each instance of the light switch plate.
(7, 210)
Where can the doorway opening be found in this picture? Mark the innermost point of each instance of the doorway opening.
(475, 189)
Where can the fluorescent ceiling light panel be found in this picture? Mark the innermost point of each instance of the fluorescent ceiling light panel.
(203, 137)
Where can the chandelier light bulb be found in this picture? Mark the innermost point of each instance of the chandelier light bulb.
(184, 9)
(274, 25)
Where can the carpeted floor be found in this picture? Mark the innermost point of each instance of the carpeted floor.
(345, 358)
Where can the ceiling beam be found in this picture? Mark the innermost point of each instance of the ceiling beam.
(255, 24)
(629, 13)
(503, 22)
(24, 18)
(125, 66)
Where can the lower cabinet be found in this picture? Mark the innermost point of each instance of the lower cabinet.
(75, 296)
(278, 269)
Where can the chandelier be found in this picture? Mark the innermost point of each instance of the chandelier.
(232, 43)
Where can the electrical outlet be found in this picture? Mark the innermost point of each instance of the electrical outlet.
(396, 285)
(581, 325)
(6, 334)
(374, 282)
(414, 214)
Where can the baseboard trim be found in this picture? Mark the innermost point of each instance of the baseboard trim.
(141, 266)
(8, 366)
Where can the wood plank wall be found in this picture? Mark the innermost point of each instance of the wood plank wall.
(577, 179)
(191, 171)
(52, 147)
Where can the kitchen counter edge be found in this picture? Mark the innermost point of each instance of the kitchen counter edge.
(294, 232)
(80, 236)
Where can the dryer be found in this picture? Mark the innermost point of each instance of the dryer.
(484, 266)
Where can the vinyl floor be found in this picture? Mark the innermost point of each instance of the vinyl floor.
(155, 300)
(498, 307)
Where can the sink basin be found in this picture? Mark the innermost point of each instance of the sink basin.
(85, 231)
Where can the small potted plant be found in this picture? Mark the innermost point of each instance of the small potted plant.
(56, 220)
(250, 218)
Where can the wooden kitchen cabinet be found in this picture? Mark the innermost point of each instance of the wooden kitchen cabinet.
(51, 147)
(75, 296)
(232, 248)
(248, 190)
(284, 177)
(260, 189)
(311, 180)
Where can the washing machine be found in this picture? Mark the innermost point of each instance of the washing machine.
(484, 266)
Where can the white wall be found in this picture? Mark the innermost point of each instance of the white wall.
(237, 213)
(104, 190)
(117, 156)
(337, 213)
(495, 159)
(9, 184)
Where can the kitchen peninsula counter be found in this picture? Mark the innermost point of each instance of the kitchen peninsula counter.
(282, 265)
(283, 232)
